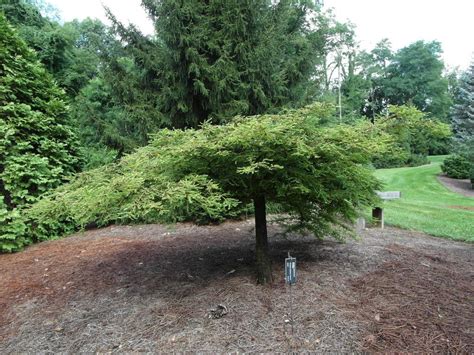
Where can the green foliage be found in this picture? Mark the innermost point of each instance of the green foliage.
(37, 148)
(411, 76)
(355, 89)
(110, 114)
(89, 42)
(95, 156)
(469, 154)
(415, 76)
(314, 176)
(71, 52)
(415, 135)
(42, 34)
(457, 166)
(12, 229)
(214, 60)
(462, 113)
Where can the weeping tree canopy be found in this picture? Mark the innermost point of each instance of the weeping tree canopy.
(316, 176)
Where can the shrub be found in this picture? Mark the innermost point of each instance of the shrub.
(396, 157)
(457, 166)
(12, 230)
(417, 160)
(38, 150)
(415, 136)
(95, 156)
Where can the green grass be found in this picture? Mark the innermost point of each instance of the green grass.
(426, 205)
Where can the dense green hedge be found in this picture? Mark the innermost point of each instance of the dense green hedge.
(457, 166)
(38, 150)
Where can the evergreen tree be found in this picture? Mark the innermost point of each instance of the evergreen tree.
(90, 42)
(213, 60)
(462, 113)
(37, 148)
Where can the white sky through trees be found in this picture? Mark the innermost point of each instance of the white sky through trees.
(401, 21)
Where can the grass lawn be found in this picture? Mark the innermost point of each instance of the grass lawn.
(426, 205)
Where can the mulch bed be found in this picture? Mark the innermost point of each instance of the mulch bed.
(420, 303)
(151, 288)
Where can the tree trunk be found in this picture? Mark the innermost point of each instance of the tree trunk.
(264, 267)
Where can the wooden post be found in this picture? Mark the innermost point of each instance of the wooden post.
(377, 217)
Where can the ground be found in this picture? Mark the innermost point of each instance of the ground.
(150, 288)
(460, 186)
(426, 205)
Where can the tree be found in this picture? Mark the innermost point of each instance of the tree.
(72, 52)
(415, 76)
(90, 43)
(42, 33)
(415, 136)
(317, 176)
(462, 112)
(286, 160)
(462, 120)
(38, 150)
(213, 60)
(361, 80)
(375, 71)
(113, 113)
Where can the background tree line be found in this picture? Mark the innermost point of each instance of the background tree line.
(212, 62)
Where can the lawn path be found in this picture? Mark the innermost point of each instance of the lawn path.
(427, 205)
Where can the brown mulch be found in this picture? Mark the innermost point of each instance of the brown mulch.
(461, 186)
(419, 302)
(151, 288)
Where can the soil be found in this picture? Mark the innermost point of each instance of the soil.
(151, 288)
(461, 186)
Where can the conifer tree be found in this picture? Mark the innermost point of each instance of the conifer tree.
(212, 60)
(37, 147)
(462, 114)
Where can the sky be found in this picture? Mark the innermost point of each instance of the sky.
(401, 21)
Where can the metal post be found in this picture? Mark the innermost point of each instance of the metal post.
(291, 312)
(291, 305)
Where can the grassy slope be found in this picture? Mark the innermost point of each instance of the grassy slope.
(425, 203)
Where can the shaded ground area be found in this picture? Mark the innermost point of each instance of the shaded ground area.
(461, 186)
(150, 288)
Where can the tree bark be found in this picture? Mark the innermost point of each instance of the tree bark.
(264, 267)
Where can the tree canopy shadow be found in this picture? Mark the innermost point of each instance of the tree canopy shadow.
(163, 266)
